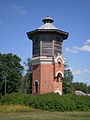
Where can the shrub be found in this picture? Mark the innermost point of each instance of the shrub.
(51, 102)
(15, 98)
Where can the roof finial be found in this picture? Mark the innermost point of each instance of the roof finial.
(47, 19)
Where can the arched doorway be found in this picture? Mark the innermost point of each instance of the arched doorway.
(36, 86)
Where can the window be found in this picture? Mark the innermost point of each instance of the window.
(36, 46)
(59, 76)
(57, 46)
(36, 87)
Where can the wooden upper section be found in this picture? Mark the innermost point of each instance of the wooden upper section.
(47, 39)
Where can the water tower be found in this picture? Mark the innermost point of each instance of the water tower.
(48, 63)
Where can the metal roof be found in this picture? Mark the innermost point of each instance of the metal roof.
(47, 27)
(48, 23)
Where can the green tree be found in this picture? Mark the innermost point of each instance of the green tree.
(10, 73)
(27, 79)
(81, 86)
(88, 89)
(67, 82)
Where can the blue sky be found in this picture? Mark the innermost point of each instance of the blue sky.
(20, 16)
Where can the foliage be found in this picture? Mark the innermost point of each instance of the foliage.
(11, 72)
(67, 82)
(29, 65)
(16, 98)
(81, 86)
(51, 102)
(27, 79)
(88, 89)
(26, 85)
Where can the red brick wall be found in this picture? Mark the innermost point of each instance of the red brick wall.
(36, 76)
(46, 78)
(45, 74)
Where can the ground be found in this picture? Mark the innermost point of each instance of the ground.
(44, 115)
(20, 112)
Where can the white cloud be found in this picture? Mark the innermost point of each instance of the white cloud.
(85, 47)
(87, 42)
(67, 49)
(76, 72)
(71, 50)
(19, 9)
(86, 70)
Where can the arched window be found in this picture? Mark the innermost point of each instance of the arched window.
(59, 76)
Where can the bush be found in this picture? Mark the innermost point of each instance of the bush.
(51, 102)
(15, 98)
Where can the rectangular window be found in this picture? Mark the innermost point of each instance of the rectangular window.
(36, 46)
(57, 46)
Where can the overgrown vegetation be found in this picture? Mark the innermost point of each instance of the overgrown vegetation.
(50, 102)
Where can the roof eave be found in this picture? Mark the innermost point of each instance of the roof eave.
(32, 33)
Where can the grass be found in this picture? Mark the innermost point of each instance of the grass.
(42, 115)
(18, 112)
(15, 108)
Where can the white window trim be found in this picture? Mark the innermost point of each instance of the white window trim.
(60, 72)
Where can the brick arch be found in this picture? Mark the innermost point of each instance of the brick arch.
(60, 73)
(36, 81)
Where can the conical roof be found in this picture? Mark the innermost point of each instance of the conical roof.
(47, 27)
(48, 23)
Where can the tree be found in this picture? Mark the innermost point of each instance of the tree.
(27, 79)
(88, 89)
(10, 73)
(81, 86)
(67, 82)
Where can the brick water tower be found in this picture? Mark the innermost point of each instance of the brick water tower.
(48, 63)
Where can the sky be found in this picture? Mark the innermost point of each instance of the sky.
(20, 16)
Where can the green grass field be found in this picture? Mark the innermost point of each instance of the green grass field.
(18, 112)
(45, 116)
